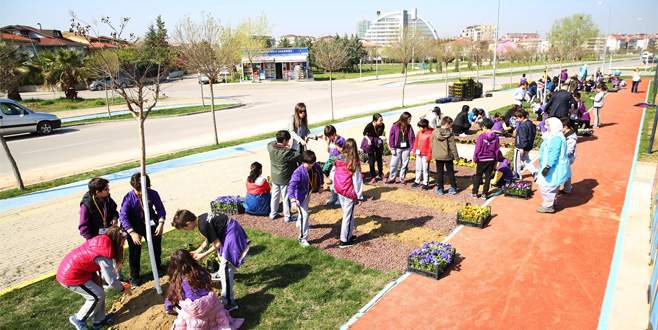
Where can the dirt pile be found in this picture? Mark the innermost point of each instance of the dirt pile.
(142, 309)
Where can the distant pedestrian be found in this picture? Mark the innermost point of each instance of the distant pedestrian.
(523, 80)
(98, 211)
(444, 153)
(400, 139)
(636, 80)
(373, 145)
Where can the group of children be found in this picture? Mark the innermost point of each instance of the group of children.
(97, 263)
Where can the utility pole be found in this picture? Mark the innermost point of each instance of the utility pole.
(495, 58)
(653, 103)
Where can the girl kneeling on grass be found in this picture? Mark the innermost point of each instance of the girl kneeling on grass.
(190, 296)
(348, 183)
(78, 273)
(223, 236)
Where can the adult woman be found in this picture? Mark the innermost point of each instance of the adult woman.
(636, 80)
(131, 217)
(554, 164)
(400, 139)
(373, 145)
(78, 272)
(298, 128)
(98, 211)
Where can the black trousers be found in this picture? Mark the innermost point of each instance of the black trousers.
(135, 252)
(449, 170)
(375, 156)
(634, 86)
(486, 169)
(457, 130)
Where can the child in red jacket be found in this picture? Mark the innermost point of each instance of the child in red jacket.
(422, 150)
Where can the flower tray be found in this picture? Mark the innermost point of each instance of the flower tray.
(435, 275)
(525, 195)
(483, 223)
(519, 189)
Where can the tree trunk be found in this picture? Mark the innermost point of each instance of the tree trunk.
(404, 85)
(212, 110)
(145, 202)
(12, 162)
(331, 93)
(14, 94)
(107, 102)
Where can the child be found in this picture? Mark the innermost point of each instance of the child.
(78, 272)
(444, 152)
(283, 161)
(499, 126)
(519, 94)
(525, 140)
(223, 236)
(598, 103)
(304, 179)
(400, 140)
(373, 145)
(572, 138)
(131, 217)
(257, 201)
(503, 175)
(190, 296)
(524, 80)
(347, 180)
(423, 151)
(335, 145)
(461, 126)
(487, 148)
(583, 114)
(98, 211)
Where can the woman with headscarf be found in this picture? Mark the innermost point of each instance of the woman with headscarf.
(554, 164)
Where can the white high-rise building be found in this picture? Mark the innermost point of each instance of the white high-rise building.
(388, 27)
(362, 27)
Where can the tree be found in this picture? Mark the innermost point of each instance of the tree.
(63, 68)
(136, 64)
(251, 34)
(402, 51)
(156, 44)
(14, 65)
(209, 49)
(569, 35)
(283, 43)
(330, 55)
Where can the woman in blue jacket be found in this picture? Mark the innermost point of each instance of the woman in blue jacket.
(554, 164)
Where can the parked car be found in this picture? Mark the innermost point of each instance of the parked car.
(16, 119)
(175, 75)
(101, 84)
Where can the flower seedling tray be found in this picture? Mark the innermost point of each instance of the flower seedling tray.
(440, 271)
(525, 195)
(483, 223)
(520, 189)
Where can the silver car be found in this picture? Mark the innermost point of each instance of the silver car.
(16, 119)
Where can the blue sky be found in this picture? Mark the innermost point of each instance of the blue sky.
(339, 16)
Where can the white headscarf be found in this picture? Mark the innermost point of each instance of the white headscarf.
(554, 126)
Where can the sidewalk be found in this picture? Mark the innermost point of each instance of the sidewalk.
(527, 270)
(48, 220)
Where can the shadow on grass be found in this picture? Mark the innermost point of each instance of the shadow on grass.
(255, 304)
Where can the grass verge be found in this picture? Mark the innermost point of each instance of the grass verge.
(647, 125)
(282, 285)
(13, 192)
(63, 104)
(155, 113)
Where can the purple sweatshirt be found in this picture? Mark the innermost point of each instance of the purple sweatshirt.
(498, 126)
(487, 147)
(299, 185)
(131, 214)
(188, 293)
(394, 136)
(339, 142)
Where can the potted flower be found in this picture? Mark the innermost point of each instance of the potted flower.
(229, 205)
(474, 215)
(431, 260)
(518, 189)
(463, 162)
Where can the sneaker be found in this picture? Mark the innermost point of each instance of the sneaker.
(426, 187)
(542, 209)
(415, 185)
(343, 245)
(331, 201)
(108, 320)
(452, 191)
(475, 195)
(373, 181)
(566, 192)
(439, 191)
(79, 325)
(484, 196)
(274, 216)
(231, 307)
(293, 218)
(215, 277)
(134, 283)
(380, 177)
(463, 135)
(390, 181)
(304, 243)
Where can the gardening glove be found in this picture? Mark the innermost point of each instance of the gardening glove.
(544, 172)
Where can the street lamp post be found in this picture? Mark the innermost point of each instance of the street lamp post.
(495, 58)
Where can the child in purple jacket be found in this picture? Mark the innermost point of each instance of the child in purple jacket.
(487, 148)
(335, 145)
(305, 179)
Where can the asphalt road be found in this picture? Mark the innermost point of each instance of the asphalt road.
(268, 107)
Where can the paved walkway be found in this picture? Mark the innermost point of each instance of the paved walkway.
(527, 270)
(48, 221)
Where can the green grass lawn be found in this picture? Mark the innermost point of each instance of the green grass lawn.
(62, 104)
(155, 113)
(281, 286)
(13, 192)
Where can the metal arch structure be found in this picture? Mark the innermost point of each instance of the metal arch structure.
(379, 22)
